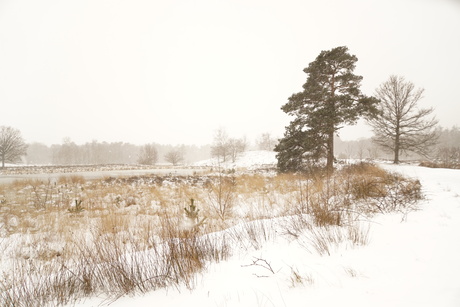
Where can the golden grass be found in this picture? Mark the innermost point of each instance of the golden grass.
(71, 180)
(144, 218)
(30, 206)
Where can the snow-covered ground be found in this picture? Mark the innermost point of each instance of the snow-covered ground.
(408, 262)
(248, 160)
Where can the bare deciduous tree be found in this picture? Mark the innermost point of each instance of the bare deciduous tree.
(220, 148)
(400, 125)
(67, 154)
(266, 142)
(175, 156)
(236, 147)
(224, 147)
(148, 155)
(12, 145)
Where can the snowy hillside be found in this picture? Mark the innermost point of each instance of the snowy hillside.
(409, 261)
(248, 159)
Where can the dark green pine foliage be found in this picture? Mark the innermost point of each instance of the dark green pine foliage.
(331, 98)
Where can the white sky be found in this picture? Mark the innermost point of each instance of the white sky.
(173, 71)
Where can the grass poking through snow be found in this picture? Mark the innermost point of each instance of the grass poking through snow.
(66, 240)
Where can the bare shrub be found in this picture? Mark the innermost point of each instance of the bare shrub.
(402, 195)
(446, 157)
(41, 194)
(364, 180)
(374, 190)
(221, 195)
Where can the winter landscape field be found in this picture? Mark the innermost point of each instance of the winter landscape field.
(229, 153)
(237, 234)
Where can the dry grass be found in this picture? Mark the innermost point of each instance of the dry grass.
(327, 239)
(297, 279)
(131, 235)
(111, 263)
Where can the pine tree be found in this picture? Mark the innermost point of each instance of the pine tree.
(331, 98)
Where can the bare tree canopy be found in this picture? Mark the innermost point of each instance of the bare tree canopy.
(175, 156)
(400, 125)
(224, 147)
(148, 155)
(220, 148)
(237, 146)
(12, 145)
(266, 142)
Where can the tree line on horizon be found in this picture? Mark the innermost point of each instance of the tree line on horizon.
(68, 153)
(223, 148)
(93, 153)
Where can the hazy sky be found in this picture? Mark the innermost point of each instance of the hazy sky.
(173, 72)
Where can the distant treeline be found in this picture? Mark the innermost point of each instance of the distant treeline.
(96, 152)
(447, 150)
(69, 153)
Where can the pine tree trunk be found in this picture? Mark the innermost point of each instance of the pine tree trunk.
(330, 152)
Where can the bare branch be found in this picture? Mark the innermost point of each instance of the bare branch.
(400, 125)
(12, 145)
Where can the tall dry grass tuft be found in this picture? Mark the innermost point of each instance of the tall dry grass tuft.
(325, 240)
(327, 203)
(186, 252)
(252, 234)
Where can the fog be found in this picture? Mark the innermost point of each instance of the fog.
(172, 72)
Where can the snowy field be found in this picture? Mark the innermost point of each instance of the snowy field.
(409, 260)
(15, 173)
(405, 258)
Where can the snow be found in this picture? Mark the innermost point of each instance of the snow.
(247, 160)
(408, 262)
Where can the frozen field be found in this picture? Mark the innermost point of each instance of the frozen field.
(404, 258)
(414, 262)
(101, 174)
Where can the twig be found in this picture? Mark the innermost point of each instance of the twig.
(261, 263)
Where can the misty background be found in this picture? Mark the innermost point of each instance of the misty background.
(103, 78)
(69, 153)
